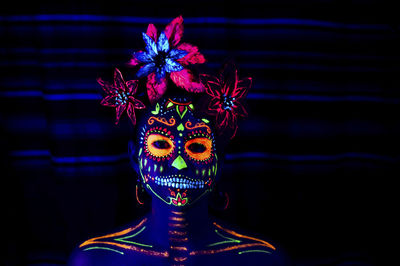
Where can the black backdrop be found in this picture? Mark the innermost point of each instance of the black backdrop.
(312, 168)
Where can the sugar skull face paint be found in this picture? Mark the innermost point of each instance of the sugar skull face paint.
(177, 158)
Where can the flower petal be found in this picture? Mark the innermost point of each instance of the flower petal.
(174, 31)
(239, 109)
(185, 79)
(138, 104)
(172, 66)
(151, 46)
(177, 54)
(146, 70)
(155, 89)
(152, 32)
(107, 87)
(131, 113)
(132, 86)
(119, 81)
(242, 88)
(143, 57)
(120, 109)
(109, 101)
(193, 56)
(160, 73)
(162, 43)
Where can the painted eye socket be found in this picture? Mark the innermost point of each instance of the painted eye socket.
(199, 148)
(159, 145)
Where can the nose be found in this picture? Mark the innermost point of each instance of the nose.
(179, 163)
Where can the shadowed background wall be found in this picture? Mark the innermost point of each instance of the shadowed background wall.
(311, 168)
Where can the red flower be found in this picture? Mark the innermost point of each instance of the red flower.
(227, 93)
(166, 56)
(121, 95)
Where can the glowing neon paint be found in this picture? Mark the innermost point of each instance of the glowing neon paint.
(166, 56)
(104, 248)
(175, 141)
(120, 95)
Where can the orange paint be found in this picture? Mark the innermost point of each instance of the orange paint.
(243, 236)
(159, 152)
(188, 126)
(171, 122)
(200, 156)
(98, 240)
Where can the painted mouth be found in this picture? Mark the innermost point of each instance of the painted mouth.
(179, 181)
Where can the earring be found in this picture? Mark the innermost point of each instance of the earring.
(220, 200)
(137, 193)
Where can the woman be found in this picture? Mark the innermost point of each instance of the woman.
(177, 155)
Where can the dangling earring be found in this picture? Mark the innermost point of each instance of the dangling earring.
(220, 200)
(139, 190)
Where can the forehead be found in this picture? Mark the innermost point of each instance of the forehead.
(176, 115)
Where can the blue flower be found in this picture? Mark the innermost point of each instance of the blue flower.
(159, 57)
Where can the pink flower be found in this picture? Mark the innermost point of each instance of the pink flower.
(166, 56)
(226, 94)
(121, 95)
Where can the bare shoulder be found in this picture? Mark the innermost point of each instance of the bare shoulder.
(243, 247)
(116, 248)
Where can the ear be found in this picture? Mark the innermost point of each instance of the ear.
(132, 156)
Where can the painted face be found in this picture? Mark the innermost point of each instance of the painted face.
(177, 158)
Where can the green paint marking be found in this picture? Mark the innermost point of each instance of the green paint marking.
(140, 151)
(228, 240)
(145, 162)
(149, 168)
(155, 167)
(197, 171)
(161, 169)
(179, 163)
(179, 113)
(148, 186)
(110, 249)
(205, 120)
(180, 128)
(180, 134)
(209, 171)
(191, 106)
(170, 104)
(203, 172)
(254, 250)
(123, 239)
(157, 110)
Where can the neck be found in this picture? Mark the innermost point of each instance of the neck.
(180, 227)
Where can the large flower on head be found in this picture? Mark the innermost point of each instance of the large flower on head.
(226, 92)
(121, 95)
(166, 57)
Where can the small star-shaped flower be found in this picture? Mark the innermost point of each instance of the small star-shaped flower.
(121, 95)
(226, 93)
(166, 57)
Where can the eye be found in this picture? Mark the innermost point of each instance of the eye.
(159, 145)
(196, 147)
(199, 148)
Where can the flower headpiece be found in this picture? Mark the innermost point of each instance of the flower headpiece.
(167, 57)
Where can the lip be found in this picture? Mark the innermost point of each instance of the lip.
(179, 181)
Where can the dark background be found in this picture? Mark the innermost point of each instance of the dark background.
(313, 167)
